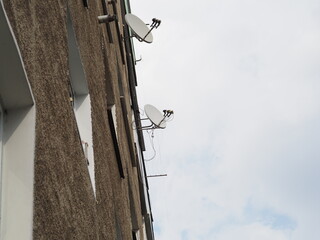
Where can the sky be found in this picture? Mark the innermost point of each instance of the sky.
(242, 153)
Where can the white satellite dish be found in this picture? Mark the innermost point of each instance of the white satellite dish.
(139, 28)
(155, 116)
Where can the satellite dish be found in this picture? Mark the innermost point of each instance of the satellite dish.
(155, 116)
(139, 28)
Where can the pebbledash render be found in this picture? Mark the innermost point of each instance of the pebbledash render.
(70, 146)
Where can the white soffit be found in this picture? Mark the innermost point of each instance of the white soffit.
(14, 88)
(78, 78)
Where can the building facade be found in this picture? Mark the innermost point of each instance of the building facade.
(70, 146)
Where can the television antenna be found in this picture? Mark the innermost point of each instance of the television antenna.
(157, 119)
(140, 30)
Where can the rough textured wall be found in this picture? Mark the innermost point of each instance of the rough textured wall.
(64, 204)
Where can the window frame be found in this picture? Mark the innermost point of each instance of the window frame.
(113, 130)
(80, 101)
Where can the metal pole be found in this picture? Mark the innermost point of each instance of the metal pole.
(158, 175)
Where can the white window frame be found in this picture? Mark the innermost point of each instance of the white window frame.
(81, 100)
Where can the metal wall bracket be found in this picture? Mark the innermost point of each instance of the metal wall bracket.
(106, 18)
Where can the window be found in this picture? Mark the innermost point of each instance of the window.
(134, 235)
(85, 3)
(112, 116)
(113, 130)
(80, 100)
(126, 117)
(17, 139)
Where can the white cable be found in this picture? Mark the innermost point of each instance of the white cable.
(152, 144)
(141, 110)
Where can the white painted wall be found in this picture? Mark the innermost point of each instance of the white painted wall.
(82, 110)
(18, 174)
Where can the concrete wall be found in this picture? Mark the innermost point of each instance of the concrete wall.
(64, 203)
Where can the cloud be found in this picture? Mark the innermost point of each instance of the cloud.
(252, 232)
(243, 79)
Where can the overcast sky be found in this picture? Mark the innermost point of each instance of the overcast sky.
(242, 154)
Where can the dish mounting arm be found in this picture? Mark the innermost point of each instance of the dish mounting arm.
(155, 24)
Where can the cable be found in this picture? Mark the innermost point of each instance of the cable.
(141, 110)
(152, 144)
